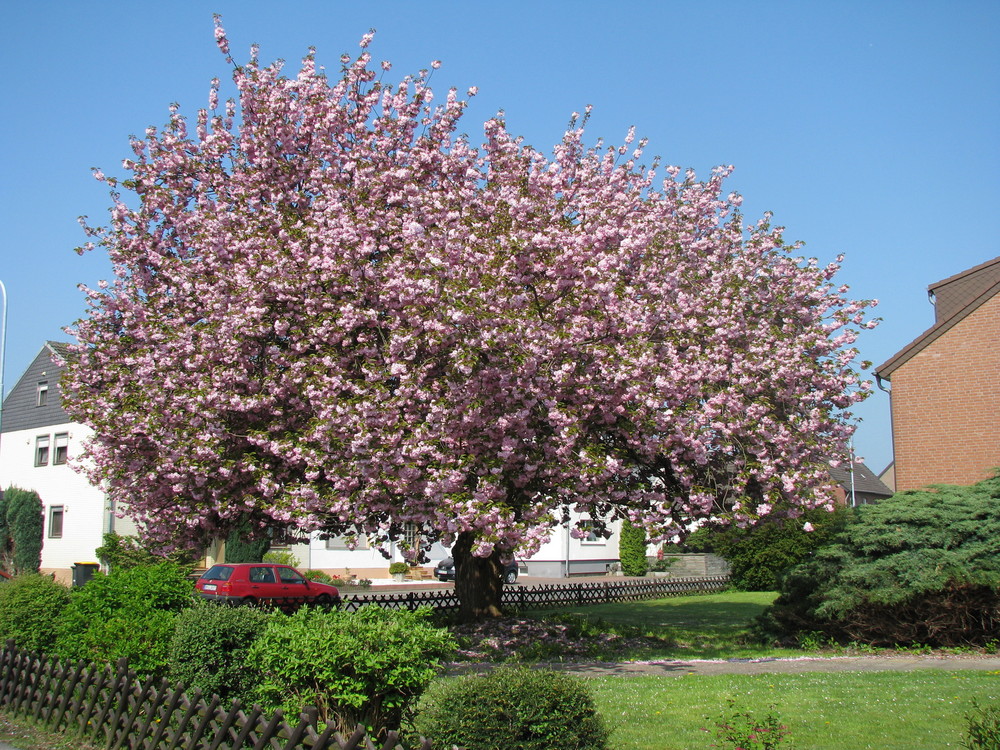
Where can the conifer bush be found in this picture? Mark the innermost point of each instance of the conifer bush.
(24, 522)
(922, 567)
(512, 708)
(632, 550)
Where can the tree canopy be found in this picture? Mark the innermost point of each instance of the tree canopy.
(331, 311)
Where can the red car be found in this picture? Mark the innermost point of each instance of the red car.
(250, 583)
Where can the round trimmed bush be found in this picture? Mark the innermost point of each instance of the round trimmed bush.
(512, 708)
(30, 607)
(210, 649)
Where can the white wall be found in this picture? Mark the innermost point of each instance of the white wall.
(85, 515)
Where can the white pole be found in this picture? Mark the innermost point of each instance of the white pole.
(3, 345)
(854, 499)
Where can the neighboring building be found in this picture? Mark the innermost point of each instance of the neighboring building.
(36, 444)
(888, 476)
(945, 396)
(858, 485)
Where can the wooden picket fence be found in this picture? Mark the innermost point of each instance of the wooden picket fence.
(113, 706)
(554, 595)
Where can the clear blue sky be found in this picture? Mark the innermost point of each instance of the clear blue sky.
(868, 128)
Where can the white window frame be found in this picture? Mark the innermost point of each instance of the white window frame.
(592, 537)
(340, 543)
(43, 449)
(60, 441)
(55, 510)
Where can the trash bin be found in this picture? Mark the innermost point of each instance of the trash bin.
(83, 572)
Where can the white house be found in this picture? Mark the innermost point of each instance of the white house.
(37, 441)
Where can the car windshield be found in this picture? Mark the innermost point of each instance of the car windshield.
(217, 573)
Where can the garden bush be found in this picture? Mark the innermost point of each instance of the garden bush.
(130, 612)
(632, 550)
(30, 607)
(210, 648)
(318, 575)
(281, 557)
(922, 567)
(118, 551)
(24, 521)
(512, 708)
(366, 667)
(982, 727)
(757, 556)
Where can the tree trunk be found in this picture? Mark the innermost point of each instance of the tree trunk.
(478, 581)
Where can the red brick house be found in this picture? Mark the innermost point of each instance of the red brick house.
(945, 395)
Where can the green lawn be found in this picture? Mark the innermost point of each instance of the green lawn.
(708, 626)
(919, 710)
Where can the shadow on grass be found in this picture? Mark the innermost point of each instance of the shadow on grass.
(714, 626)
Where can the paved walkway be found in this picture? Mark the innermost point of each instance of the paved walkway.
(676, 668)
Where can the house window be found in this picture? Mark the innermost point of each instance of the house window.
(285, 537)
(340, 542)
(592, 536)
(411, 535)
(42, 394)
(61, 448)
(42, 450)
(56, 521)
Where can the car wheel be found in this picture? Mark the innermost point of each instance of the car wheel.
(323, 600)
(510, 576)
(249, 601)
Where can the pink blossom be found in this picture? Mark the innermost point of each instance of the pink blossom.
(332, 310)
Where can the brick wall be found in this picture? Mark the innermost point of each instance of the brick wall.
(946, 405)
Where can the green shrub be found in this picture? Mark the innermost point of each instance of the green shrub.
(632, 550)
(982, 727)
(24, 518)
(757, 556)
(919, 568)
(281, 557)
(318, 575)
(366, 667)
(30, 607)
(210, 648)
(512, 708)
(127, 552)
(131, 612)
(741, 730)
(398, 567)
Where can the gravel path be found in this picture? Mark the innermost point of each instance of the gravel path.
(676, 668)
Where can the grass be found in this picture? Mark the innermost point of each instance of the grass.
(707, 626)
(830, 711)
(25, 734)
